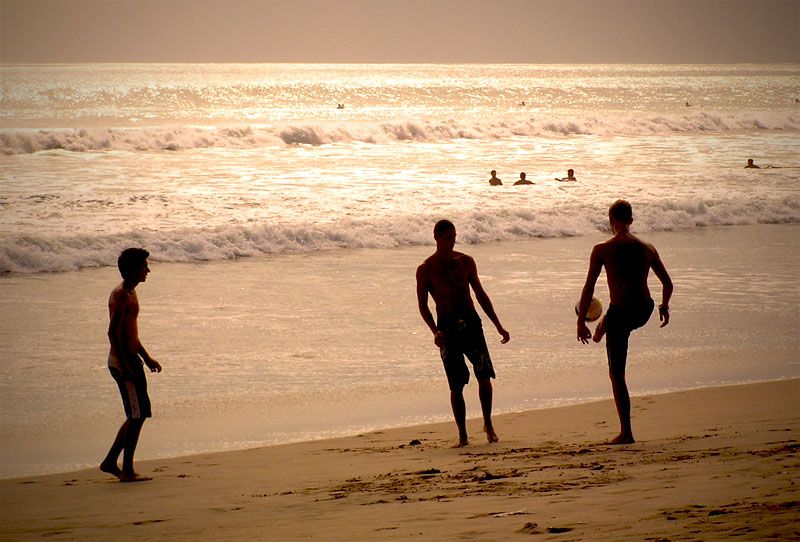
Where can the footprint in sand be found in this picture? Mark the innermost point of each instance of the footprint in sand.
(530, 528)
(427, 473)
(148, 521)
(533, 528)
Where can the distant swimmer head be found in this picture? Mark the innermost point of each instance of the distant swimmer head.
(570, 173)
(494, 173)
(751, 164)
(522, 175)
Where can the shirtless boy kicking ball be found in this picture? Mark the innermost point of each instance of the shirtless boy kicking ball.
(447, 276)
(125, 363)
(627, 261)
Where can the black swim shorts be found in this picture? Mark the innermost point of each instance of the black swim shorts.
(134, 392)
(619, 323)
(463, 336)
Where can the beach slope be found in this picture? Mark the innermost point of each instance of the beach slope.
(710, 464)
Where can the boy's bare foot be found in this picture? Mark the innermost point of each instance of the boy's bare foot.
(461, 443)
(600, 331)
(133, 477)
(491, 436)
(110, 468)
(622, 439)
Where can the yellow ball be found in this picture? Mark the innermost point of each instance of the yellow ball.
(595, 309)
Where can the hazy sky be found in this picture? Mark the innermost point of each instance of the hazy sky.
(400, 31)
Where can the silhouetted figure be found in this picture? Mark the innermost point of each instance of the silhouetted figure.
(627, 261)
(569, 178)
(340, 106)
(125, 363)
(522, 180)
(688, 104)
(447, 276)
(495, 181)
(751, 165)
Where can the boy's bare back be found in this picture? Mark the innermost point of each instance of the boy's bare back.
(627, 261)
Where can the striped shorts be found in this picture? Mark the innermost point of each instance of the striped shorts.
(134, 392)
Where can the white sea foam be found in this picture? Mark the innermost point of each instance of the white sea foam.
(59, 252)
(256, 160)
(25, 141)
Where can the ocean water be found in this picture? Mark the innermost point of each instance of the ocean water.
(284, 232)
(210, 162)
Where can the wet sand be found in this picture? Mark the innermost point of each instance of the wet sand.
(709, 464)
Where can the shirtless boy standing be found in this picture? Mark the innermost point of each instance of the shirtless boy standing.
(447, 276)
(628, 261)
(125, 363)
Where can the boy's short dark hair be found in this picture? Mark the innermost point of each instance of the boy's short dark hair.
(131, 260)
(443, 226)
(621, 211)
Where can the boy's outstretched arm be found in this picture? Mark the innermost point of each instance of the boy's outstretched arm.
(595, 266)
(666, 288)
(486, 303)
(422, 304)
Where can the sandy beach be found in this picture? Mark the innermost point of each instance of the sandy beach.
(711, 463)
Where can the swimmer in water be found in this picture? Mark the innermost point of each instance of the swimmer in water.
(522, 180)
(569, 178)
(751, 165)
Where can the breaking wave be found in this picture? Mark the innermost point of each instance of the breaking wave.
(58, 253)
(150, 139)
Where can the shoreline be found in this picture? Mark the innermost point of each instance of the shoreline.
(710, 463)
(473, 417)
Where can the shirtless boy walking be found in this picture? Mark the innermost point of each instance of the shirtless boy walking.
(628, 261)
(125, 363)
(447, 276)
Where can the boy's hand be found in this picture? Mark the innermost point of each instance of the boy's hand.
(505, 334)
(584, 334)
(663, 314)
